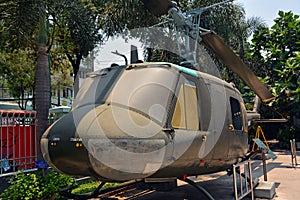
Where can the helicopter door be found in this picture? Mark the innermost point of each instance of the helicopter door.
(238, 128)
(185, 120)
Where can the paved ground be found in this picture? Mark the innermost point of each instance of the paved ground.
(287, 179)
(220, 186)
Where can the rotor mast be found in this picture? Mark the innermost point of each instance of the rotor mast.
(189, 24)
(187, 27)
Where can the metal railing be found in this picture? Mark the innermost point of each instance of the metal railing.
(18, 141)
(242, 180)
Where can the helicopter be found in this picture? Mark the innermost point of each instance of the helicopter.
(156, 120)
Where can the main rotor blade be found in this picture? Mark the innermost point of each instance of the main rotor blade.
(225, 53)
(158, 7)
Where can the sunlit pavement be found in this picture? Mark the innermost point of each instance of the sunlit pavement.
(220, 186)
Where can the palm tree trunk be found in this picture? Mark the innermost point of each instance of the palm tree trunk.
(42, 81)
(42, 97)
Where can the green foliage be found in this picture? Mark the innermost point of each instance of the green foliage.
(60, 69)
(118, 16)
(34, 186)
(23, 187)
(285, 135)
(17, 56)
(276, 55)
(248, 96)
(55, 181)
(86, 187)
(17, 69)
(20, 23)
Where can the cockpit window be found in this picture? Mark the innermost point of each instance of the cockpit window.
(147, 90)
(185, 114)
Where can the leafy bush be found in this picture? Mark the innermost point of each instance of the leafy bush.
(86, 187)
(275, 55)
(35, 186)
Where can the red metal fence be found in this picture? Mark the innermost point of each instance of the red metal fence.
(18, 140)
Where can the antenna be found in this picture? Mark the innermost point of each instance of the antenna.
(119, 54)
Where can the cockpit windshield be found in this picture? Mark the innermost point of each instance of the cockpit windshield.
(96, 87)
(146, 90)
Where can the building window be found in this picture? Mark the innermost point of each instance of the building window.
(186, 109)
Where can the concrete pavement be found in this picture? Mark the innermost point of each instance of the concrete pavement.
(220, 186)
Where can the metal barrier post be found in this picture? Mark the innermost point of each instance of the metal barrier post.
(264, 161)
(293, 153)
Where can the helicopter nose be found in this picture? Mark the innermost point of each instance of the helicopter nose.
(62, 150)
(123, 144)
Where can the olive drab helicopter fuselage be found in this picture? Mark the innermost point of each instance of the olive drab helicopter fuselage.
(200, 120)
(156, 120)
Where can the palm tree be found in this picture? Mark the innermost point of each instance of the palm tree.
(42, 77)
(26, 23)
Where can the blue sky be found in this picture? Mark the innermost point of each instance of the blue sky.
(268, 9)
